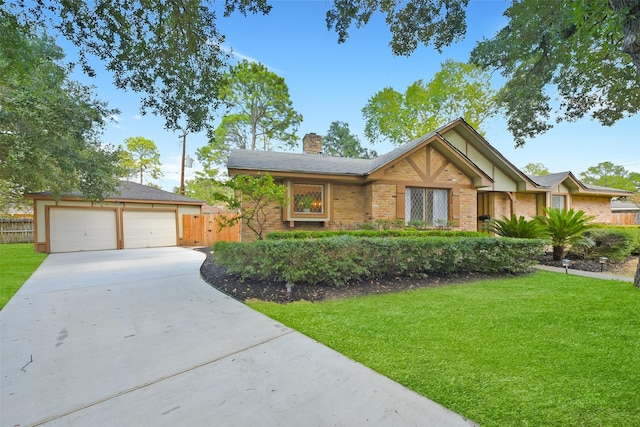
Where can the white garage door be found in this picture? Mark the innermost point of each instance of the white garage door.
(73, 230)
(149, 229)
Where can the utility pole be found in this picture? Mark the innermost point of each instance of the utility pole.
(184, 151)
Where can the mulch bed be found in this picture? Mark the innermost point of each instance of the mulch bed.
(218, 277)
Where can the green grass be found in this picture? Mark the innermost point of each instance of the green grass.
(545, 349)
(17, 262)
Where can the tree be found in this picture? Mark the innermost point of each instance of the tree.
(141, 158)
(607, 174)
(259, 112)
(535, 169)
(564, 228)
(574, 49)
(170, 51)
(49, 124)
(203, 188)
(586, 50)
(340, 142)
(457, 90)
(411, 22)
(254, 198)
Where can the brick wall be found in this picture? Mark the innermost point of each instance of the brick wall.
(599, 207)
(468, 209)
(384, 201)
(526, 205)
(501, 205)
(348, 205)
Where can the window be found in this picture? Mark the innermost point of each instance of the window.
(558, 202)
(308, 198)
(427, 205)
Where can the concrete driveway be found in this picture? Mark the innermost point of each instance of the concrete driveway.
(136, 338)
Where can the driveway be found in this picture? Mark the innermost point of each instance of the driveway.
(136, 338)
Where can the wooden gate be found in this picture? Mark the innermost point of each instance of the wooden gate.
(203, 230)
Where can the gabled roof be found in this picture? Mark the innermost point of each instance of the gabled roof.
(479, 143)
(283, 164)
(129, 191)
(553, 179)
(567, 178)
(302, 163)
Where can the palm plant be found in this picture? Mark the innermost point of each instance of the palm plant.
(565, 228)
(515, 227)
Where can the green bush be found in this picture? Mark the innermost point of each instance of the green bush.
(617, 243)
(516, 227)
(342, 259)
(410, 232)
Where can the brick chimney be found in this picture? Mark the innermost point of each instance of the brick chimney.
(312, 144)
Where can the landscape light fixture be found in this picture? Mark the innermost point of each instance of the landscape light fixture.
(603, 260)
(565, 264)
(289, 288)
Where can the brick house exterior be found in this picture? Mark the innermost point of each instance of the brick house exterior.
(451, 177)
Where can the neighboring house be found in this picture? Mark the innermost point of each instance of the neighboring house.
(136, 216)
(451, 177)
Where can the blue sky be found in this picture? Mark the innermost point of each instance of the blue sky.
(328, 81)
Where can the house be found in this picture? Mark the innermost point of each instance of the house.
(451, 176)
(136, 216)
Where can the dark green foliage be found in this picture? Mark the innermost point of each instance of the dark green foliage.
(516, 227)
(614, 243)
(338, 260)
(565, 228)
(50, 125)
(409, 232)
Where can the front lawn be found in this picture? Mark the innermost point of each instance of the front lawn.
(17, 262)
(537, 350)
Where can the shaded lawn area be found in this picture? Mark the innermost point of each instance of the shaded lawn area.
(541, 349)
(17, 262)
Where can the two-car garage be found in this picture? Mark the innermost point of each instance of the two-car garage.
(91, 229)
(138, 217)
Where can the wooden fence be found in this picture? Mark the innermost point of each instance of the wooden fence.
(16, 230)
(625, 218)
(203, 230)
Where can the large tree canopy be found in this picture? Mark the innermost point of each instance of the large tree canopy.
(586, 50)
(49, 124)
(170, 51)
(141, 157)
(574, 50)
(457, 90)
(607, 174)
(259, 116)
(340, 142)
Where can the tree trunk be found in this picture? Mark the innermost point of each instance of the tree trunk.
(636, 279)
(558, 252)
(630, 28)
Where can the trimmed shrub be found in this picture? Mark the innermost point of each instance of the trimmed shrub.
(339, 260)
(410, 232)
(616, 243)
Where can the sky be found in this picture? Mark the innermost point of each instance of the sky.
(330, 82)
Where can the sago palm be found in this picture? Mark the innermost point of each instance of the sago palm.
(564, 228)
(515, 227)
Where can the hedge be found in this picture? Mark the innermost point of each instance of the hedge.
(617, 243)
(408, 232)
(339, 260)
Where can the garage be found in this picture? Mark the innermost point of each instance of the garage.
(76, 229)
(149, 229)
(134, 216)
